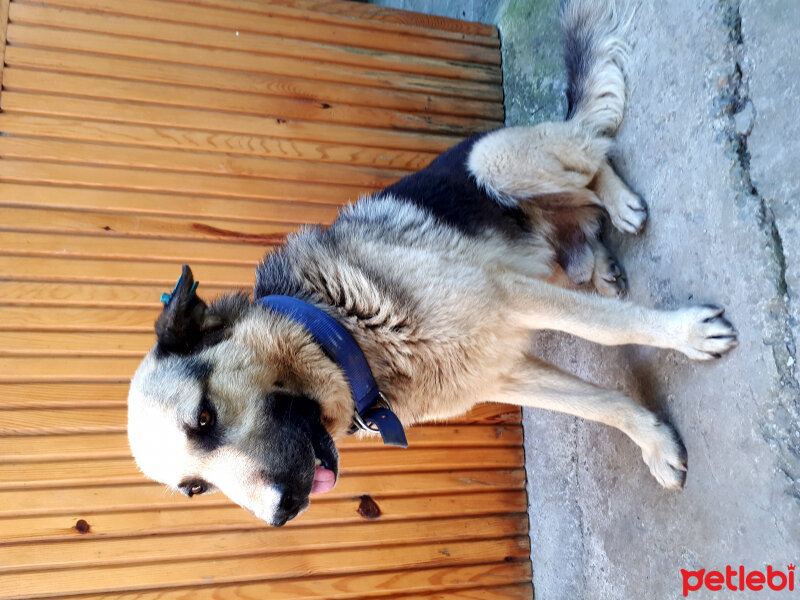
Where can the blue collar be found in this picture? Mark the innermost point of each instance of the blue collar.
(372, 410)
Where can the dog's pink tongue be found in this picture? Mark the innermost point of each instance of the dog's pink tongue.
(324, 480)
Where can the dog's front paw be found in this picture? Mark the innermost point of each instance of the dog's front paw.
(702, 333)
(665, 455)
(628, 213)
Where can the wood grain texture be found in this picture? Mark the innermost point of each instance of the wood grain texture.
(4, 8)
(122, 551)
(50, 102)
(143, 134)
(270, 19)
(30, 171)
(180, 517)
(175, 208)
(443, 582)
(410, 104)
(422, 24)
(463, 81)
(262, 35)
(210, 141)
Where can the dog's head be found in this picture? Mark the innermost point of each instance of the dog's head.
(235, 398)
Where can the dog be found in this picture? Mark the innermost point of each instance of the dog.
(417, 303)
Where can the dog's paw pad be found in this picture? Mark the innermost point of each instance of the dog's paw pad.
(666, 457)
(629, 214)
(706, 333)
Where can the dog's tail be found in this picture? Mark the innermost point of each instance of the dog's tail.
(595, 53)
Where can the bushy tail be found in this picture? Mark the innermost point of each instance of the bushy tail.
(595, 53)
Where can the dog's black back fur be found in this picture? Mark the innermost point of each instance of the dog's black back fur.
(446, 189)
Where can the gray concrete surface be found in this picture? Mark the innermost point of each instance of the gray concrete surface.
(711, 140)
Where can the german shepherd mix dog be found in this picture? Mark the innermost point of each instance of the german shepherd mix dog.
(437, 281)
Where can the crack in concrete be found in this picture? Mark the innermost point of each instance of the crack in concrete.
(782, 429)
(575, 427)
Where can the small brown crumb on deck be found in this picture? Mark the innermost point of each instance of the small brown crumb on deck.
(368, 508)
(82, 526)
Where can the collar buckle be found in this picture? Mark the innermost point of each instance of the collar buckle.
(380, 418)
(362, 425)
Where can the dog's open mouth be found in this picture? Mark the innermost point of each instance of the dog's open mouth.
(326, 467)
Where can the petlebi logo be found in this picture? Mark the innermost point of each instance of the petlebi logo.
(739, 579)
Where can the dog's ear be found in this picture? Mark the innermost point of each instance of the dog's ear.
(185, 319)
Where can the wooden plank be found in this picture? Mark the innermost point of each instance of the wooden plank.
(210, 141)
(506, 592)
(60, 421)
(75, 294)
(117, 470)
(238, 214)
(207, 518)
(131, 112)
(105, 271)
(17, 318)
(491, 413)
(123, 246)
(405, 103)
(32, 368)
(18, 147)
(72, 344)
(139, 494)
(4, 8)
(90, 551)
(420, 23)
(443, 580)
(22, 171)
(257, 35)
(280, 22)
(106, 445)
(281, 566)
(19, 77)
(115, 228)
(234, 60)
(45, 395)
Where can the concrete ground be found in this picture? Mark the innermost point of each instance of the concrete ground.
(711, 140)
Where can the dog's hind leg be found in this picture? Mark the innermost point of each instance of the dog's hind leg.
(536, 384)
(608, 277)
(700, 332)
(553, 163)
(555, 166)
(627, 210)
(582, 255)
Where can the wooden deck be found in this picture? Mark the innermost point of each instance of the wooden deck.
(141, 134)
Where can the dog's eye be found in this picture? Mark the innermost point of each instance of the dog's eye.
(205, 420)
(197, 488)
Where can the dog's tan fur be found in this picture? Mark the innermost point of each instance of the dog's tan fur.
(457, 330)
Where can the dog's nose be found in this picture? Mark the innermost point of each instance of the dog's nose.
(289, 506)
